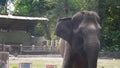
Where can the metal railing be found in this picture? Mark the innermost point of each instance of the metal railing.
(40, 49)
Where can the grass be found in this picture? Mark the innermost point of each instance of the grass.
(107, 63)
(40, 63)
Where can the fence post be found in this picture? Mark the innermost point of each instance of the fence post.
(21, 48)
(56, 43)
(48, 43)
(4, 57)
(33, 47)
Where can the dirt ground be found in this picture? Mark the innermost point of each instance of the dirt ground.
(106, 63)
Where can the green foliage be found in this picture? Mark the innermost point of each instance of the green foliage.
(114, 48)
(39, 30)
(35, 8)
(77, 5)
(3, 10)
(109, 12)
(32, 7)
(24, 8)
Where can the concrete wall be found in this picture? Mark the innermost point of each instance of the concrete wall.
(20, 37)
(15, 37)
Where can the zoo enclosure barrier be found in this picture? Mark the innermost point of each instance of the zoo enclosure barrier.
(50, 47)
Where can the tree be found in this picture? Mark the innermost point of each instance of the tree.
(3, 7)
(35, 8)
(109, 13)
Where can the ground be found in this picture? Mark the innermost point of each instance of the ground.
(40, 62)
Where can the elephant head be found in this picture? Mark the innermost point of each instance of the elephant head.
(81, 23)
(81, 32)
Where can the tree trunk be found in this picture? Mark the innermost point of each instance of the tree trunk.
(47, 29)
(66, 8)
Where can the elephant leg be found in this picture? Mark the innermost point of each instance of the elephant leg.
(64, 49)
(67, 61)
(62, 45)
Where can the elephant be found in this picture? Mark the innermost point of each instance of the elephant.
(61, 46)
(79, 39)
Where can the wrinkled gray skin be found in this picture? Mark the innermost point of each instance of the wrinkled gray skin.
(79, 43)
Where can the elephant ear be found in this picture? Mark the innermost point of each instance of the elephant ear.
(64, 28)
